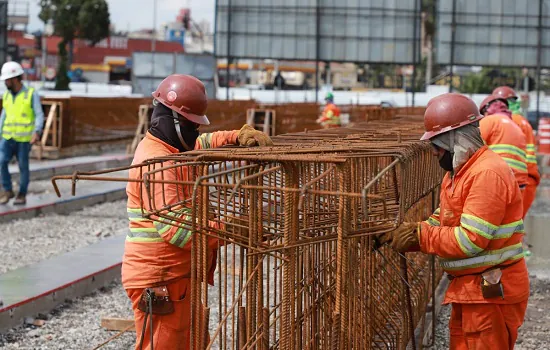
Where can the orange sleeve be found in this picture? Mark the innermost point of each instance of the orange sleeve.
(484, 210)
(175, 227)
(217, 139)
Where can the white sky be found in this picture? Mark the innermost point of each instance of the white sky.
(138, 14)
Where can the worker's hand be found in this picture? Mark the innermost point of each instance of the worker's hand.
(35, 138)
(248, 136)
(402, 238)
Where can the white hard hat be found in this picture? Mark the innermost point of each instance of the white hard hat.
(11, 70)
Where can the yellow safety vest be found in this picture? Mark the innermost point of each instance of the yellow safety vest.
(19, 122)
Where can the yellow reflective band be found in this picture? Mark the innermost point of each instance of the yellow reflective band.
(466, 245)
(205, 140)
(437, 211)
(506, 231)
(511, 149)
(433, 222)
(478, 225)
(531, 159)
(143, 240)
(515, 164)
(530, 148)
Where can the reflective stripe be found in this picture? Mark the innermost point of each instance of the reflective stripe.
(506, 231)
(488, 230)
(21, 134)
(467, 246)
(181, 237)
(437, 211)
(515, 164)
(18, 124)
(511, 149)
(433, 222)
(477, 225)
(143, 235)
(144, 229)
(531, 159)
(489, 257)
(205, 140)
(530, 148)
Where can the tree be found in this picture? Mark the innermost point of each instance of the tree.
(74, 19)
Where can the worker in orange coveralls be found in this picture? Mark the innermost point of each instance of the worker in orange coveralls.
(331, 114)
(157, 255)
(533, 179)
(476, 231)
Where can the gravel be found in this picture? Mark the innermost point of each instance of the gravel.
(533, 334)
(27, 241)
(76, 325)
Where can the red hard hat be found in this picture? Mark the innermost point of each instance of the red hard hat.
(488, 100)
(185, 95)
(447, 112)
(505, 92)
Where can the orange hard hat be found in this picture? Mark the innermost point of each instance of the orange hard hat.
(488, 100)
(185, 95)
(505, 92)
(447, 112)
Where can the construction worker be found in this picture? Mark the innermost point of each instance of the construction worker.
(503, 136)
(331, 114)
(476, 231)
(157, 255)
(21, 124)
(533, 179)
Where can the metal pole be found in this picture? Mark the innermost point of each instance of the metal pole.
(453, 30)
(539, 58)
(228, 50)
(415, 48)
(153, 44)
(317, 50)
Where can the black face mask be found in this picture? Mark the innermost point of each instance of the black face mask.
(446, 161)
(163, 127)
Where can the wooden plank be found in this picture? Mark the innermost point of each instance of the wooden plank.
(117, 324)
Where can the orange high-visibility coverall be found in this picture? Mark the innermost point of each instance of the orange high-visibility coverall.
(156, 253)
(532, 168)
(479, 226)
(506, 139)
(331, 116)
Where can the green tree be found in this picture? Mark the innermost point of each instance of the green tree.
(74, 19)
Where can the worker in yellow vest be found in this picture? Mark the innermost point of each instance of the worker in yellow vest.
(21, 123)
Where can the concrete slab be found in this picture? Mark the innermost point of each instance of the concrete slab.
(41, 287)
(87, 193)
(45, 169)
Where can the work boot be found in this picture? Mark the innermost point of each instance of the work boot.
(20, 199)
(6, 196)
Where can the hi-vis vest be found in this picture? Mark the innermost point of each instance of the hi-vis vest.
(19, 122)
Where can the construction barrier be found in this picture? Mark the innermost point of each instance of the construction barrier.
(543, 135)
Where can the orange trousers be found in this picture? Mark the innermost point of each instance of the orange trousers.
(529, 195)
(170, 332)
(485, 326)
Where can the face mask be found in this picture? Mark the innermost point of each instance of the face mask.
(189, 136)
(514, 105)
(446, 161)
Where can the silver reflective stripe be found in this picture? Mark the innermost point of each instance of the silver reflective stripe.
(478, 227)
(7, 133)
(19, 124)
(481, 260)
(183, 235)
(467, 246)
(507, 231)
(143, 234)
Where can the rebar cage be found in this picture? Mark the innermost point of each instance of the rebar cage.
(294, 229)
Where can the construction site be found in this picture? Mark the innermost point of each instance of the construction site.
(284, 239)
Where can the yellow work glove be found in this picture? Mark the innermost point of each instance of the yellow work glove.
(402, 238)
(248, 136)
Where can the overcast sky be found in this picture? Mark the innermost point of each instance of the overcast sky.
(137, 14)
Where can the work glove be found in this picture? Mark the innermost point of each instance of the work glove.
(403, 239)
(248, 136)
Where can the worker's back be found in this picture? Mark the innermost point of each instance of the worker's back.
(506, 139)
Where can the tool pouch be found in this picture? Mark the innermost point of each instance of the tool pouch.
(160, 300)
(490, 291)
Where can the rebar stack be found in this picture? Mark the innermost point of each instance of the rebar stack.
(294, 229)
